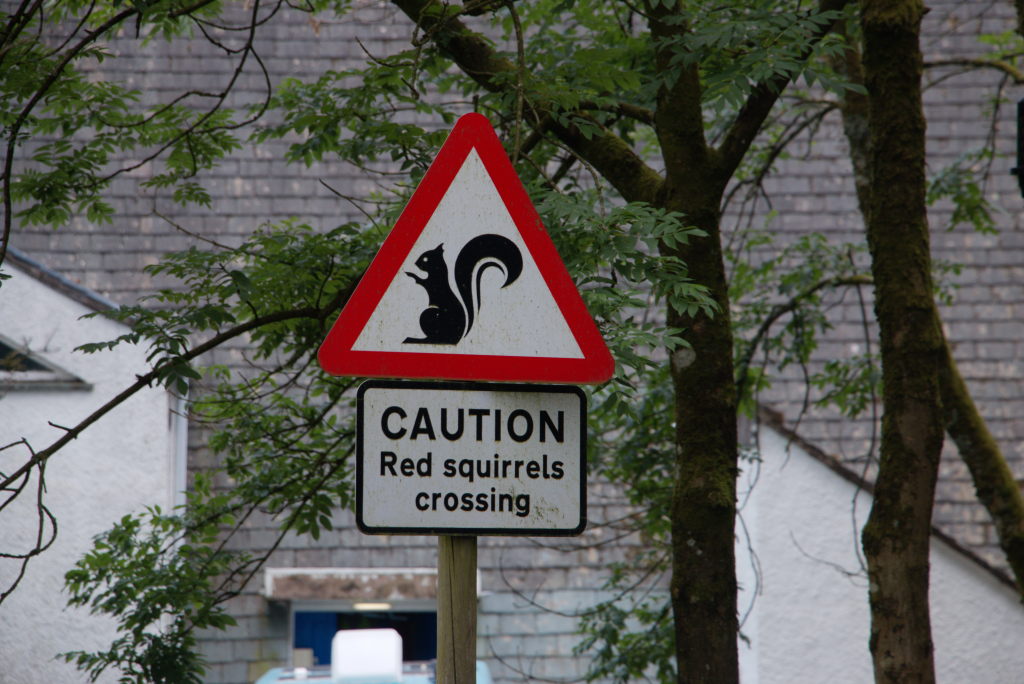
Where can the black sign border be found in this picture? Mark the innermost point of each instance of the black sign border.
(475, 387)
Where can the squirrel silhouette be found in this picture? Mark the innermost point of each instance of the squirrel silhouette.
(450, 314)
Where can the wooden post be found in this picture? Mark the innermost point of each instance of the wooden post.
(456, 610)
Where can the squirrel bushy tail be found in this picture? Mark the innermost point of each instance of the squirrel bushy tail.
(479, 254)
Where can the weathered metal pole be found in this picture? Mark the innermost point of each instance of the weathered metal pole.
(456, 610)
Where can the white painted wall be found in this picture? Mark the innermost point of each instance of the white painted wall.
(119, 465)
(810, 619)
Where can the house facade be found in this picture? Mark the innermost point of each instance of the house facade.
(804, 585)
(132, 458)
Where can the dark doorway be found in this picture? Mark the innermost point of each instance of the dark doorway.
(315, 629)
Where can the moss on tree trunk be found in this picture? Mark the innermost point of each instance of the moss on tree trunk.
(896, 537)
(994, 483)
(704, 496)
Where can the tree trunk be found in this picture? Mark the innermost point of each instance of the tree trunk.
(896, 537)
(994, 483)
(704, 496)
(703, 584)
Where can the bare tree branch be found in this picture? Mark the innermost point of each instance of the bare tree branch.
(994, 482)
(780, 310)
(970, 64)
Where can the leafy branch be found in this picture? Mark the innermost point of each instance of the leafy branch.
(780, 310)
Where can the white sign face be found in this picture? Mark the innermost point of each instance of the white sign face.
(470, 458)
(521, 319)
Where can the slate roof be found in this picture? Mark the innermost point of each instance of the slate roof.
(58, 281)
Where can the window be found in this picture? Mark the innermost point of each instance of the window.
(14, 361)
(20, 369)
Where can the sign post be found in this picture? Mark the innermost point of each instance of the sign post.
(456, 609)
(468, 287)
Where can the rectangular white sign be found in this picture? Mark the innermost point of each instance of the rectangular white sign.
(470, 458)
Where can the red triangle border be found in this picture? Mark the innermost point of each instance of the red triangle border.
(471, 131)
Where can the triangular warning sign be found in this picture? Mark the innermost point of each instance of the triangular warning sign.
(468, 285)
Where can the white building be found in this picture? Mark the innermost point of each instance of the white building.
(133, 457)
(806, 591)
